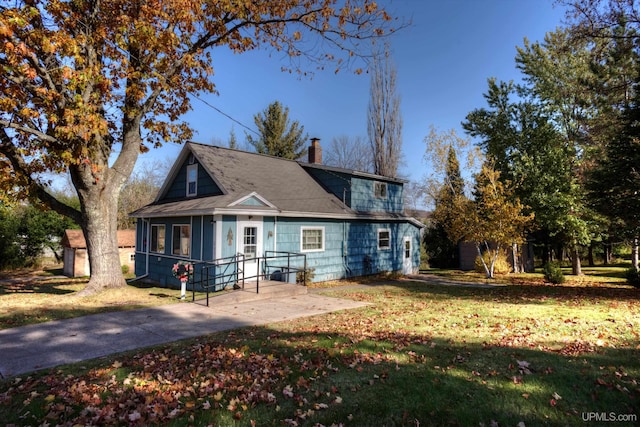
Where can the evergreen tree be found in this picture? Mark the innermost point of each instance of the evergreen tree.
(277, 135)
(614, 182)
(530, 151)
(443, 251)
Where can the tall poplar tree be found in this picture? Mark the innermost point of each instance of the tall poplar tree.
(384, 120)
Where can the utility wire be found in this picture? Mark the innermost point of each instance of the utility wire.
(224, 114)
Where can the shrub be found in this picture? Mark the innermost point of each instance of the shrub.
(553, 273)
(300, 276)
(633, 277)
(125, 269)
(501, 266)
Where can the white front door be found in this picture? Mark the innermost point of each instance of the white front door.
(407, 258)
(250, 244)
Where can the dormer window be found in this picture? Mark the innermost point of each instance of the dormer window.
(380, 190)
(192, 180)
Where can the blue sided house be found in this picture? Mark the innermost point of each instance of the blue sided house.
(234, 211)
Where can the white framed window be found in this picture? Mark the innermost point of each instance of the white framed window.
(158, 238)
(192, 180)
(384, 239)
(380, 190)
(311, 239)
(181, 241)
(250, 242)
(132, 257)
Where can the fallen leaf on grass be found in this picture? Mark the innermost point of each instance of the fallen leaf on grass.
(287, 391)
(523, 367)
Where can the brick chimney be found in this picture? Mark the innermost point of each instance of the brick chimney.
(315, 152)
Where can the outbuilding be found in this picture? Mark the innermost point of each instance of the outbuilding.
(76, 258)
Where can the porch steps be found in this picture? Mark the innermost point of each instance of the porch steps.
(268, 289)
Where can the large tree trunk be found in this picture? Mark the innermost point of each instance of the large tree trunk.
(517, 265)
(98, 187)
(101, 233)
(575, 260)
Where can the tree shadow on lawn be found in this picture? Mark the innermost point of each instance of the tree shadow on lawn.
(524, 294)
(38, 285)
(276, 374)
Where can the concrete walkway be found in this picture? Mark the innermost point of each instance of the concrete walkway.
(51, 344)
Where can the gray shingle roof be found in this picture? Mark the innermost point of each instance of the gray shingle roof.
(284, 183)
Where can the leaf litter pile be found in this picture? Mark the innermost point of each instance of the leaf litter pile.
(418, 355)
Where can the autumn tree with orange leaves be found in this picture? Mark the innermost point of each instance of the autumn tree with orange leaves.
(82, 81)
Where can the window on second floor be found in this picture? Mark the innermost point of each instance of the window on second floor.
(192, 180)
(380, 190)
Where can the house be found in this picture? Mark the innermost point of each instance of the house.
(220, 203)
(76, 259)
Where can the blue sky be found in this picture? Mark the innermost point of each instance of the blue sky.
(443, 61)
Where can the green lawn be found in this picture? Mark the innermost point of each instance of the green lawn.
(35, 297)
(420, 354)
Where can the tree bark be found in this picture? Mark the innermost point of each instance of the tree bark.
(575, 260)
(98, 187)
(515, 258)
(634, 253)
(101, 234)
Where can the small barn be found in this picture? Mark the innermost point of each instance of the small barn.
(76, 259)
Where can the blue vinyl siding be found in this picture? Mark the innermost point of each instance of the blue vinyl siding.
(350, 247)
(228, 238)
(160, 264)
(363, 198)
(358, 192)
(327, 264)
(208, 235)
(335, 182)
(178, 189)
(268, 230)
